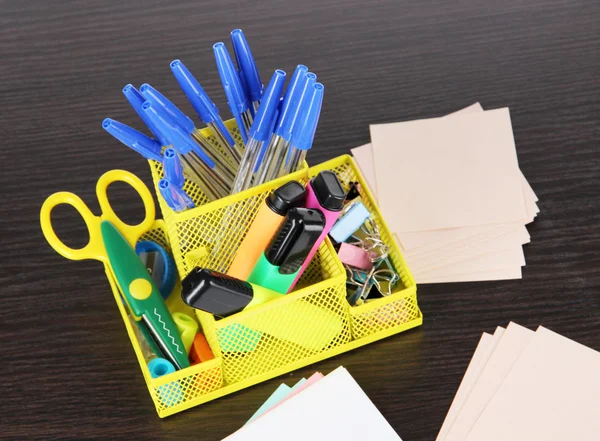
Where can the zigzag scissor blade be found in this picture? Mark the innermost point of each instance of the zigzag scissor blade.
(161, 344)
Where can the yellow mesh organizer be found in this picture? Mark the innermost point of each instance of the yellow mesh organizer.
(310, 324)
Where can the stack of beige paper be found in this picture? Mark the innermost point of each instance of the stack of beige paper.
(527, 386)
(451, 190)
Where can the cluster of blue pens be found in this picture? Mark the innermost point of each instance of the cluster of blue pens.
(276, 128)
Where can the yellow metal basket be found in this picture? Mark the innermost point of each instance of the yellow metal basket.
(312, 323)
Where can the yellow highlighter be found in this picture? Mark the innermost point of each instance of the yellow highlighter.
(269, 218)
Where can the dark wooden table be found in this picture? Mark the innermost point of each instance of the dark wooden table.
(68, 368)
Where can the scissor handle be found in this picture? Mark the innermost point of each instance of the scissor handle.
(95, 247)
(131, 232)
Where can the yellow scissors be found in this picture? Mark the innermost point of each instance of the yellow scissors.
(112, 242)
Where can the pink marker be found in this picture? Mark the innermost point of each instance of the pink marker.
(325, 193)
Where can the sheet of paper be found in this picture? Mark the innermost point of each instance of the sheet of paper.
(509, 349)
(509, 258)
(466, 251)
(551, 394)
(281, 393)
(321, 413)
(465, 385)
(466, 168)
(486, 276)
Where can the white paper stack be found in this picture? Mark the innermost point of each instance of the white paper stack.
(527, 386)
(451, 190)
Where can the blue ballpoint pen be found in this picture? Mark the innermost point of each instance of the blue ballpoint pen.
(147, 147)
(302, 139)
(260, 132)
(236, 98)
(187, 126)
(206, 109)
(136, 100)
(248, 70)
(176, 198)
(290, 114)
(192, 157)
(173, 170)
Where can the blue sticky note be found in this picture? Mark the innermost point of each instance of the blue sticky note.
(349, 222)
(280, 393)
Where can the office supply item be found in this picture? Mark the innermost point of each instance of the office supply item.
(325, 405)
(249, 75)
(354, 256)
(292, 106)
(187, 327)
(136, 141)
(220, 294)
(484, 349)
(326, 194)
(210, 179)
(269, 218)
(273, 399)
(280, 263)
(112, 242)
(351, 219)
(173, 168)
(260, 132)
(200, 351)
(253, 346)
(170, 394)
(508, 350)
(206, 110)
(302, 138)
(160, 265)
(530, 386)
(188, 133)
(236, 98)
(175, 197)
(136, 99)
(462, 253)
(298, 387)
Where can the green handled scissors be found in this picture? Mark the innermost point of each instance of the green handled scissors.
(112, 242)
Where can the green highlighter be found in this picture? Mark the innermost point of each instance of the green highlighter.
(279, 264)
(143, 298)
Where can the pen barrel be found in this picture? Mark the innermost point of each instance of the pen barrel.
(265, 225)
(295, 159)
(243, 179)
(221, 157)
(236, 150)
(273, 161)
(211, 177)
(199, 178)
(268, 276)
(247, 119)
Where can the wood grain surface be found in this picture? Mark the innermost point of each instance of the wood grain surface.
(68, 368)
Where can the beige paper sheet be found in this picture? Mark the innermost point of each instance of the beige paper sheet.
(466, 167)
(486, 276)
(552, 393)
(482, 352)
(509, 349)
(508, 258)
(431, 240)
(467, 251)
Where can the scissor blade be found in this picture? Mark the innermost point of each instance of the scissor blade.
(164, 349)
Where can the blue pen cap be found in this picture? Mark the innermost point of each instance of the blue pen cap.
(181, 141)
(261, 129)
(290, 108)
(173, 167)
(159, 367)
(248, 70)
(176, 198)
(236, 98)
(136, 100)
(206, 109)
(303, 137)
(154, 96)
(147, 147)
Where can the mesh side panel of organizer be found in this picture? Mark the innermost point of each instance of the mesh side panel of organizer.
(179, 393)
(273, 337)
